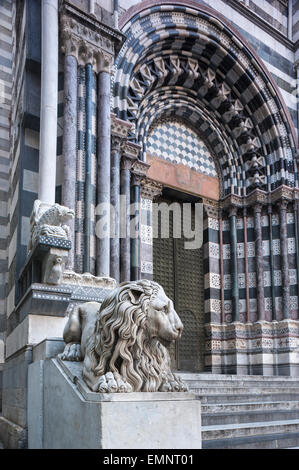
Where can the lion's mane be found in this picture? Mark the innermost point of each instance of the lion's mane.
(121, 343)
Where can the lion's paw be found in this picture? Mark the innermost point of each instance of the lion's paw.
(183, 387)
(173, 383)
(72, 352)
(113, 383)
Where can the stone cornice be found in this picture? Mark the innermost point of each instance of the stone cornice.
(260, 197)
(263, 24)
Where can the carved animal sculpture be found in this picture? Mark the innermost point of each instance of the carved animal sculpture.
(123, 341)
(49, 220)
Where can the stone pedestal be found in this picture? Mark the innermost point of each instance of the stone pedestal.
(64, 414)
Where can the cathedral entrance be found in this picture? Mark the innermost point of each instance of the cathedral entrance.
(180, 272)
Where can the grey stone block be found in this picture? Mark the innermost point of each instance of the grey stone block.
(12, 436)
(106, 421)
(49, 347)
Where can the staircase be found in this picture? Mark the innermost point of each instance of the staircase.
(247, 412)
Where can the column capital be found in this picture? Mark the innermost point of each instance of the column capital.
(88, 44)
(119, 127)
(151, 189)
(139, 172)
(257, 208)
(233, 210)
(126, 162)
(131, 149)
(116, 142)
(211, 207)
(283, 204)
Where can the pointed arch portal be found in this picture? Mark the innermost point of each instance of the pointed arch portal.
(183, 62)
(184, 59)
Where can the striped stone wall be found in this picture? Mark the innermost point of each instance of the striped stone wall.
(7, 11)
(295, 20)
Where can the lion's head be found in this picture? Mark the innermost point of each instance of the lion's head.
(135, 323)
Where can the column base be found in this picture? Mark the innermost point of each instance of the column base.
(261, 348)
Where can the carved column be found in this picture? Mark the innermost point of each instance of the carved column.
(272, 262)
(115, 188)
(130, 152)
(119, 132)
(283, 204)
(139, 171)
(246, 264)
(257, 212)
(48, 109)
(221, 264)
(149, 190)
(103, 157)
(70, 49)
(296, 213)
(234, 264)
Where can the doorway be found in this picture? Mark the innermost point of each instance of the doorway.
(180, 272)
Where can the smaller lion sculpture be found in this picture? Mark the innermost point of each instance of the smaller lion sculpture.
(123, 341)
(49, 220)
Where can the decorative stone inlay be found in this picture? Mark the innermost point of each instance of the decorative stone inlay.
(213, 223)
(147, 267)
(291, 245)
(146, 234)
(251, 249)
(146, 203)
(227, 280)
(226, 251)
(213, 250)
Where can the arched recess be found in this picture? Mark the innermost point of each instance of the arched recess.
(184, 59)
(182, 54)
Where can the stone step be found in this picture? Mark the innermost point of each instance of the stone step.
(210, 419)
(235, 378)
(270, 441)
(249, 406)
(218, 398)
(192, 383)
(228, 390)
(231, 431)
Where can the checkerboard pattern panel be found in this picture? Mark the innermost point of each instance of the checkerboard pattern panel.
(175, 142)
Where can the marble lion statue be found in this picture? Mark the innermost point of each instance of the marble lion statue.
(123, 341)
(50, 220)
